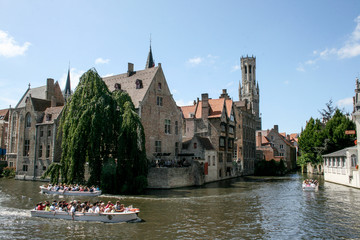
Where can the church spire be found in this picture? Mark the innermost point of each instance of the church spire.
(67, 91)
(150, 61)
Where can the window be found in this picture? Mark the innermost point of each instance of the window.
(167, 126)
(213, 160)
(44, 168)
(281, 154)
(343, 162)
(28, 120)
(333, 162)
(249, 68)
(48, 117)
(338, 162)
(231, 129)
(25, 168)
(230, 143)
(232, 117)
(235, 151)
(159, 101)
(40, 151)
(159, 86)
(41, 132)
(139, 84)
(26, 147)
(49, 133)
(158, 146)
(117, 86)
(223, 127)
(176, 148)
(48, 151)
(222, 142)
(195, 145)
(209, 161)
(229, 157)
(245, 69)
(353, 160)
(220, 157)
(176, 128)
(281, 146)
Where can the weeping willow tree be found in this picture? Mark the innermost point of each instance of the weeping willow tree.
(101, 129)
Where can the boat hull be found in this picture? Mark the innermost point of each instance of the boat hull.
(310, 188)
(70, 193)
(93, 217)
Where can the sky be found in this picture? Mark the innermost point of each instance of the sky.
(307, 52)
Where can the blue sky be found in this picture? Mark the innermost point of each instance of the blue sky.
(307, 52)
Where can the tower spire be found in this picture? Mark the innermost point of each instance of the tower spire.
(67, 90)
(150, 61)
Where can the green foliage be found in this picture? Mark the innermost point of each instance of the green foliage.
(270, 168)
(102, 129)
(9, 172)
(318, 139)
(53, 172)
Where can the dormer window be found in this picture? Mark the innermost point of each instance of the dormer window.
(139, 84)
(48, 117)
(117, 86)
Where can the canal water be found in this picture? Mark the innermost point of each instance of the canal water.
(242, 208)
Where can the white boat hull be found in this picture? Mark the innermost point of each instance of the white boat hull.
(94, 217)
(70, 193)
(310, 188)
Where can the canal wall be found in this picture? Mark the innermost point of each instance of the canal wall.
(164, 177)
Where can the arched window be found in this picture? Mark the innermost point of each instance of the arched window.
(28, 120)
(353, 160)
(249, 68)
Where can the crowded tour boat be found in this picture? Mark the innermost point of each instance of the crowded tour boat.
(310, 185)
(77, 211)
(71, 190)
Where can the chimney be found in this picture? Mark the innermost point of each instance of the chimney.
(205, 105)
(130, 69)
(276, 128)
(288, 137)
(53, 101)
(258, 139)
(224, 94)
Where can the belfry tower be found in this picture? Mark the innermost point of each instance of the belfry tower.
(249, 88)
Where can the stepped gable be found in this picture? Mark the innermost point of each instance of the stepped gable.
(128, 83)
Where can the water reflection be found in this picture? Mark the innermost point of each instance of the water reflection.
(244, 208)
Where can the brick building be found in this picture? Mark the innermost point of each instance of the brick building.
(274, 145)
(156, 107)
(4, 122)
(32, 143)
(213, 119)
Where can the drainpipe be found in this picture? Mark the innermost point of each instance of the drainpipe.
(36, 131)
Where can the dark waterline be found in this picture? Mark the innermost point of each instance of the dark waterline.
(243, 208)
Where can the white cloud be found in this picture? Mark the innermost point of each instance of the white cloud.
(345, 102)
(286, 82)
(229, 84)
(235, 68)
(195, 61)
(350, 49)
(75, 75)
(9, 47)
(101, 61)
(300, 68)
(181, 102)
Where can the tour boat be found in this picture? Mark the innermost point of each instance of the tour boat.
(116, 217)
(71, 193)
(310, 187)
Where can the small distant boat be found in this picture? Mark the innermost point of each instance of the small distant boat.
(71, 193)
(116, 217)
(310, 185)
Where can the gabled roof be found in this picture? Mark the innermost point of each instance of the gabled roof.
(4, 114)
(128, 83)
(216, 108)
(54, 112)
(340, 153)
(188, 111)
(39, 92)
(203, 141)
(40, 104)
